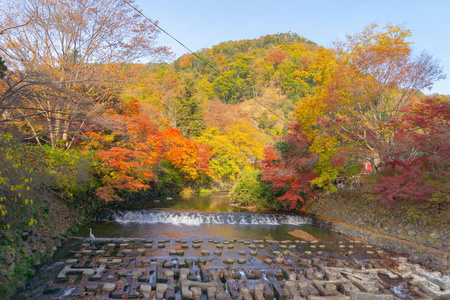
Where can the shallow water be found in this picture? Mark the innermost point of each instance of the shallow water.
(206, 231)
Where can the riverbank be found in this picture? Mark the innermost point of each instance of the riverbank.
(25, 248)
(419, 231)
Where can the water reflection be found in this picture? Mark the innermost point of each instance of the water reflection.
(111, 229)
(210, 202)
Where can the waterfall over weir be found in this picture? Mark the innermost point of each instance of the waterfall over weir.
(199, 218)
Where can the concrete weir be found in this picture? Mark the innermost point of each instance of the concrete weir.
(238, 269)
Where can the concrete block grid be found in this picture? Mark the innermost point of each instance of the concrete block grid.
(212, 268)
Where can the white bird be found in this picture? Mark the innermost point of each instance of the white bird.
(91, 235)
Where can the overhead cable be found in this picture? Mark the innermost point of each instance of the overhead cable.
(205, 62)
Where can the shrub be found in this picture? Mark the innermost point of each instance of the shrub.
(250, 190)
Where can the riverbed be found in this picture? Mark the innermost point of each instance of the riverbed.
(202, 247)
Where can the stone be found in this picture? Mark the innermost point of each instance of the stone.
(88, 272)
(137, 273)
(91, 288)
(267, 260)
(145, 289)
(229, 261)
(71, 262)
(109, 287)
(368, 296)
(122, 273)
(279, 260)
(161, 289)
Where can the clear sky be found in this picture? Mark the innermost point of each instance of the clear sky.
(205, 23)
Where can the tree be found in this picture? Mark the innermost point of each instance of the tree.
(419, 166)
(69, 45)
(140, 151)
(3, 68)
(289, 168)
(239, 148)
(189, 113)
(375, 76)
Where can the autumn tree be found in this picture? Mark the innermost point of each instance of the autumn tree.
(418, 167)
(289, 168)
(69, 45)
(135, 160)
(240, 147)
(373, 76)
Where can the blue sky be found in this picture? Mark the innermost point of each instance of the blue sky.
(205, 23)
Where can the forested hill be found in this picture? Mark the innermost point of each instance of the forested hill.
(263, 78)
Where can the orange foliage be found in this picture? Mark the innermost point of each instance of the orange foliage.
(189, 157)
(186, 61)
(130, 165)
(276, 56)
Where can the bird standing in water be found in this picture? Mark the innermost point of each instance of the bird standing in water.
(91, 235)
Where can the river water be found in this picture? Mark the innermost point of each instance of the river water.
(135, 244)
(197, 216)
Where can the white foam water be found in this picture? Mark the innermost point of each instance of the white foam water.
(198, 218)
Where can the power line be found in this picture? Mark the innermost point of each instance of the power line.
(205, 62)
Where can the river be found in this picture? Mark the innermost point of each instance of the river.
(202, 247)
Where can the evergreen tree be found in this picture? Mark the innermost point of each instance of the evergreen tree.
(189, 113)
(3, 68)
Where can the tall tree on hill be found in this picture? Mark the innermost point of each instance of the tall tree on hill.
(189, 113)
(68, 45)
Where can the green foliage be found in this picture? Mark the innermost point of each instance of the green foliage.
(3, 68)
(167, 177)
(29, 173)
(43, 191)
(326, 148)
(247, 66)
(189, 113)
(250, 190)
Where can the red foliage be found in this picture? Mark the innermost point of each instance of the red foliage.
(290, 169)
(422, 151)
(131, 165)
(276, 56)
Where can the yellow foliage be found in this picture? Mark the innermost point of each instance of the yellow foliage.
(238, 149)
